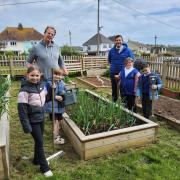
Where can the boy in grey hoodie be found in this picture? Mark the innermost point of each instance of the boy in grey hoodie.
(46, 54)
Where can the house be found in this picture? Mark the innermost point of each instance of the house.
(159, 49)
(139, 48)
(19, 39)
(90, 46)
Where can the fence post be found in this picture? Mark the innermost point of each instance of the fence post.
(164, 72)
(10, 66)
(82, 64)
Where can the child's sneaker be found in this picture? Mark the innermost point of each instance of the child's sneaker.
(48, 173)
(59, 140)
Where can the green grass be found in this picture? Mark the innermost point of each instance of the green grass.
(158, 161)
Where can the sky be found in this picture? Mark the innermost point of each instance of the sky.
(137, 20)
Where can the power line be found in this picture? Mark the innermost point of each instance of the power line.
(70, 12)
(21, 3)
(155, 19)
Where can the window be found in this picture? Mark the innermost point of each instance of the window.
(33, 42)
(89, 47)
(104, 45)
(13, 43)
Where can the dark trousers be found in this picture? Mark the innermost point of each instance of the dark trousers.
(129, 101)
(39, 156)
(146, 106)
(114, 88)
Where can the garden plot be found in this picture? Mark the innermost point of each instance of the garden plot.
(96, 82)
(93, 133)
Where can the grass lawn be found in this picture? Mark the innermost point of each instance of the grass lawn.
(159, 161)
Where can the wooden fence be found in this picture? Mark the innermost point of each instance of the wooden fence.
(168, 68)
(16, 65)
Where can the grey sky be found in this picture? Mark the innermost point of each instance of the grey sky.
(135, 19)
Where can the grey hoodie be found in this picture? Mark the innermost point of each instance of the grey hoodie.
(46, 57)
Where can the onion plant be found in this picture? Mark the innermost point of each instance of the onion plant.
(4, 86)
(94, 115)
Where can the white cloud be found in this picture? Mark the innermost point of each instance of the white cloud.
(131, 18)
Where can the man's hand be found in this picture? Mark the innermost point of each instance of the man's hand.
(65, 72)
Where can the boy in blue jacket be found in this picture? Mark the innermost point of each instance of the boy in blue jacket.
(59, 106)
(148, 89)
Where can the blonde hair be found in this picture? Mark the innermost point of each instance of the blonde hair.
(58, 71)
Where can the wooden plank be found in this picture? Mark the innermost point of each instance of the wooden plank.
(74, 139)
(4, 127)
(120, 138)
(73, 126)
(97, 152)
(1, 166)
(5, 160)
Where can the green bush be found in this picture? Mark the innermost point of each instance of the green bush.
(106, 73)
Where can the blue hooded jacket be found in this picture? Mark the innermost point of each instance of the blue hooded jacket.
(59, 107)
(116, 59)
(140, 86)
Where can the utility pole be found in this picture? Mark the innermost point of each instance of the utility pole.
(155, 40)
(155, 37)
(70, 44)
(98, 29)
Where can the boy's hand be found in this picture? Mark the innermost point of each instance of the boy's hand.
(53, 86)
(59, 98)
(154, 87)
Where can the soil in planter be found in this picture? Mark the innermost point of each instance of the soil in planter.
(96, 82)
(168, 107)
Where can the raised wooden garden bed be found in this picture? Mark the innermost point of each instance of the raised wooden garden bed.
(166, 109)
(170, 93)
(96, 82)
(70, 85)
(4, 136)
(96, 145)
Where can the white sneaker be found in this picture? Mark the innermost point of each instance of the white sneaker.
(48, 173)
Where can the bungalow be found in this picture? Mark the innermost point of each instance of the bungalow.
(90, 46)
(159, 49)
(139, 48)
(18, 39)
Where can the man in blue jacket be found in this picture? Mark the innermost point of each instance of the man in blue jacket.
(116, 58)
